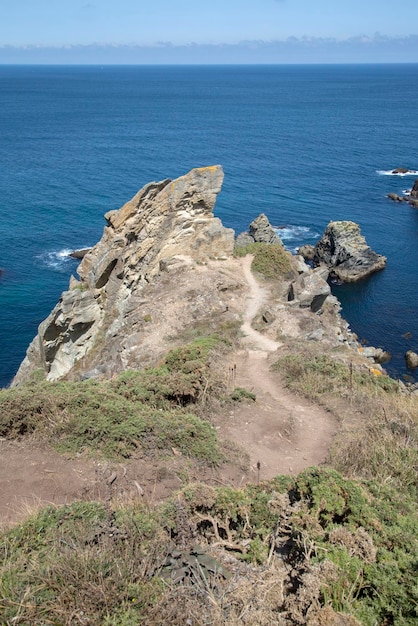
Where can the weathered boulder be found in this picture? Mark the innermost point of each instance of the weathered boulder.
(307, 251)
(164, 220)
(377, 354)
(263, 232)
(300, 265)
(260, 231)
(411, 359)
(243, 239)
(311, 289)
(345, 252)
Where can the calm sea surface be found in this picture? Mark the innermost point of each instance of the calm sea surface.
(303, 144)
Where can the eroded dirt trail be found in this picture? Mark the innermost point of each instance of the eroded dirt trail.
(282, 432)
(256, 299)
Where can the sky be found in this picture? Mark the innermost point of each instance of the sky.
(219, 31)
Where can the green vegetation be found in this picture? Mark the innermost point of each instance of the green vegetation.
(355, 543)
(239, 394)
(270, 260)
(315, 375)
(79, 564)
(149, 410)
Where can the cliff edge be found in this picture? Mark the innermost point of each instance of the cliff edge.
(164, 267)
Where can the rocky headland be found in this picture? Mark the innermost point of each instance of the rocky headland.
(165, 263)
(223, 448)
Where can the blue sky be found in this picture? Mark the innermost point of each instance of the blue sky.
(219, 28)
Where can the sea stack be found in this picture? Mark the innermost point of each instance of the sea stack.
(345, 252)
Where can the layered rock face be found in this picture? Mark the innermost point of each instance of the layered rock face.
(164, 224)
(345, 252)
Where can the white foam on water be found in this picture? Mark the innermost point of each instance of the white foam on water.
(56, 259)
(294, 236)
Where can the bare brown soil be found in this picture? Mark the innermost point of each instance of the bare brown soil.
(280, 432)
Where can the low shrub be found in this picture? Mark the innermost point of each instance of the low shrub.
(270, 260)
(318, 538)
(239, 394)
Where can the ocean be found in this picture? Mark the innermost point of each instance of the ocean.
(303, 144)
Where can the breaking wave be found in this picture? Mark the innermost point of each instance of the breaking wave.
(295, 236)
(58, 260)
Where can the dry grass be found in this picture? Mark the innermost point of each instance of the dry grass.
(379, 437)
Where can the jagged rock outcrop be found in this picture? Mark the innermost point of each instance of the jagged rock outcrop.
(260, 231)
(345, 252)
(165, 222)
(414, 190)
(80, 253)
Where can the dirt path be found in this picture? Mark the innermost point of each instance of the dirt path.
(256, 300)
(280, 431)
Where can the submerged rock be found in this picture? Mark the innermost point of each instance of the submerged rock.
(345, 252)
(396, 198)
(402, 171)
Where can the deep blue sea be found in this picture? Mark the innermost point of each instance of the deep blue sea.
(303, 144)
